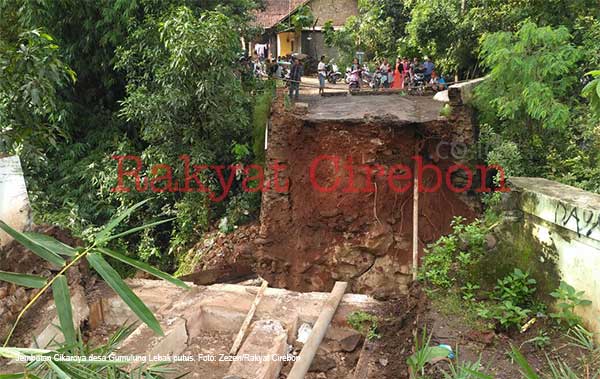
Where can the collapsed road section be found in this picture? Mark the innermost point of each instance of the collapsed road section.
(348, 211)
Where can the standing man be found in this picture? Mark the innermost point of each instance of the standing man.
(295, 78)
(322, 71)
(428, 66)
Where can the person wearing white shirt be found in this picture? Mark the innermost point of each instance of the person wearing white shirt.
(322, 71)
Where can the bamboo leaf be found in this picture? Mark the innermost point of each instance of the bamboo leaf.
(113, 279)
(138, 228)
(37, 249)
(143, 266)
(526, 369)
(52, 244)
(12, 376)
(104, 234)
(24, 280)
(62, 299)
(15, 353)
(58, 370)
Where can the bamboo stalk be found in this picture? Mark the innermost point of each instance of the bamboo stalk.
(415, 241)
(311, 346)
(240, 336)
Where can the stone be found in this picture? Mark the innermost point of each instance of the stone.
(322, 362)
(266, 338)
(379, 239)
(490, 241)
(351, 261)
(321, 375)
(383, 361)
(383, 279)
(350, 343)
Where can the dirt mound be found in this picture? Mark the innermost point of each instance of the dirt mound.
(221, 257)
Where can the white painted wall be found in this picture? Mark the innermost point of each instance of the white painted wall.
(567, 220)
(14, 202)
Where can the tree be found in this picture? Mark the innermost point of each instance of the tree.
(530, 75)
(32, 113)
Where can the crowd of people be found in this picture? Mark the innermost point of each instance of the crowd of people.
(405, 73)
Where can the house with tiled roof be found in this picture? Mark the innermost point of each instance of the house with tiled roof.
(280, 37)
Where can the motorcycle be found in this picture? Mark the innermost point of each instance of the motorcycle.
(367, 76)
(348, 75)
(418, 84)
(332, 73)
(379, 80)
(354, 81)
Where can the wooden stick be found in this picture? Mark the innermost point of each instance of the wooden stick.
(309, 350)
(415, 250)
(249, 316)
(361, 371)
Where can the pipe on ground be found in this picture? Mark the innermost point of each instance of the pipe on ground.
(311, 346)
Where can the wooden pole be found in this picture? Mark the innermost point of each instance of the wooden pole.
(240, 336)
(311, 346)
(415, 241)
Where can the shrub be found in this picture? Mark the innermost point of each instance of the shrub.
(567, 299)
(365, 323)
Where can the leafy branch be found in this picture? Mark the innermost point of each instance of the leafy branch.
(57, 253)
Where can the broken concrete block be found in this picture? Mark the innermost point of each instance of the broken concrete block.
(258, 356)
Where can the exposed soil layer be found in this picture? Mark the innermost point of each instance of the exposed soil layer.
(358, 229)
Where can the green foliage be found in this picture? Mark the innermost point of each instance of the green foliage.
(302, 18)
(517, 287)
(567, 300)
(530, 72)
(154, 79)
(51, 367)
(432, 31)
(450, 259)
(55, 252)
(423, 354)
(540, 341)
(365, 323)
(557, 369)
(260, 117)
(507, 314)
(32, 113)
(530, 106)
(465, 370)
(592, 90)
(373, 31)
(469, 291)
(514, 295)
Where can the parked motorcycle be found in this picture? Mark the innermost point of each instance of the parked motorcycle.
(379, 80)
(354, 81)
(332, 73)
(347, 75)
(418, 84)
(367, 76)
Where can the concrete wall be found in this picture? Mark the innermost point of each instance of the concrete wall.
(14, 202)
(566, 222)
